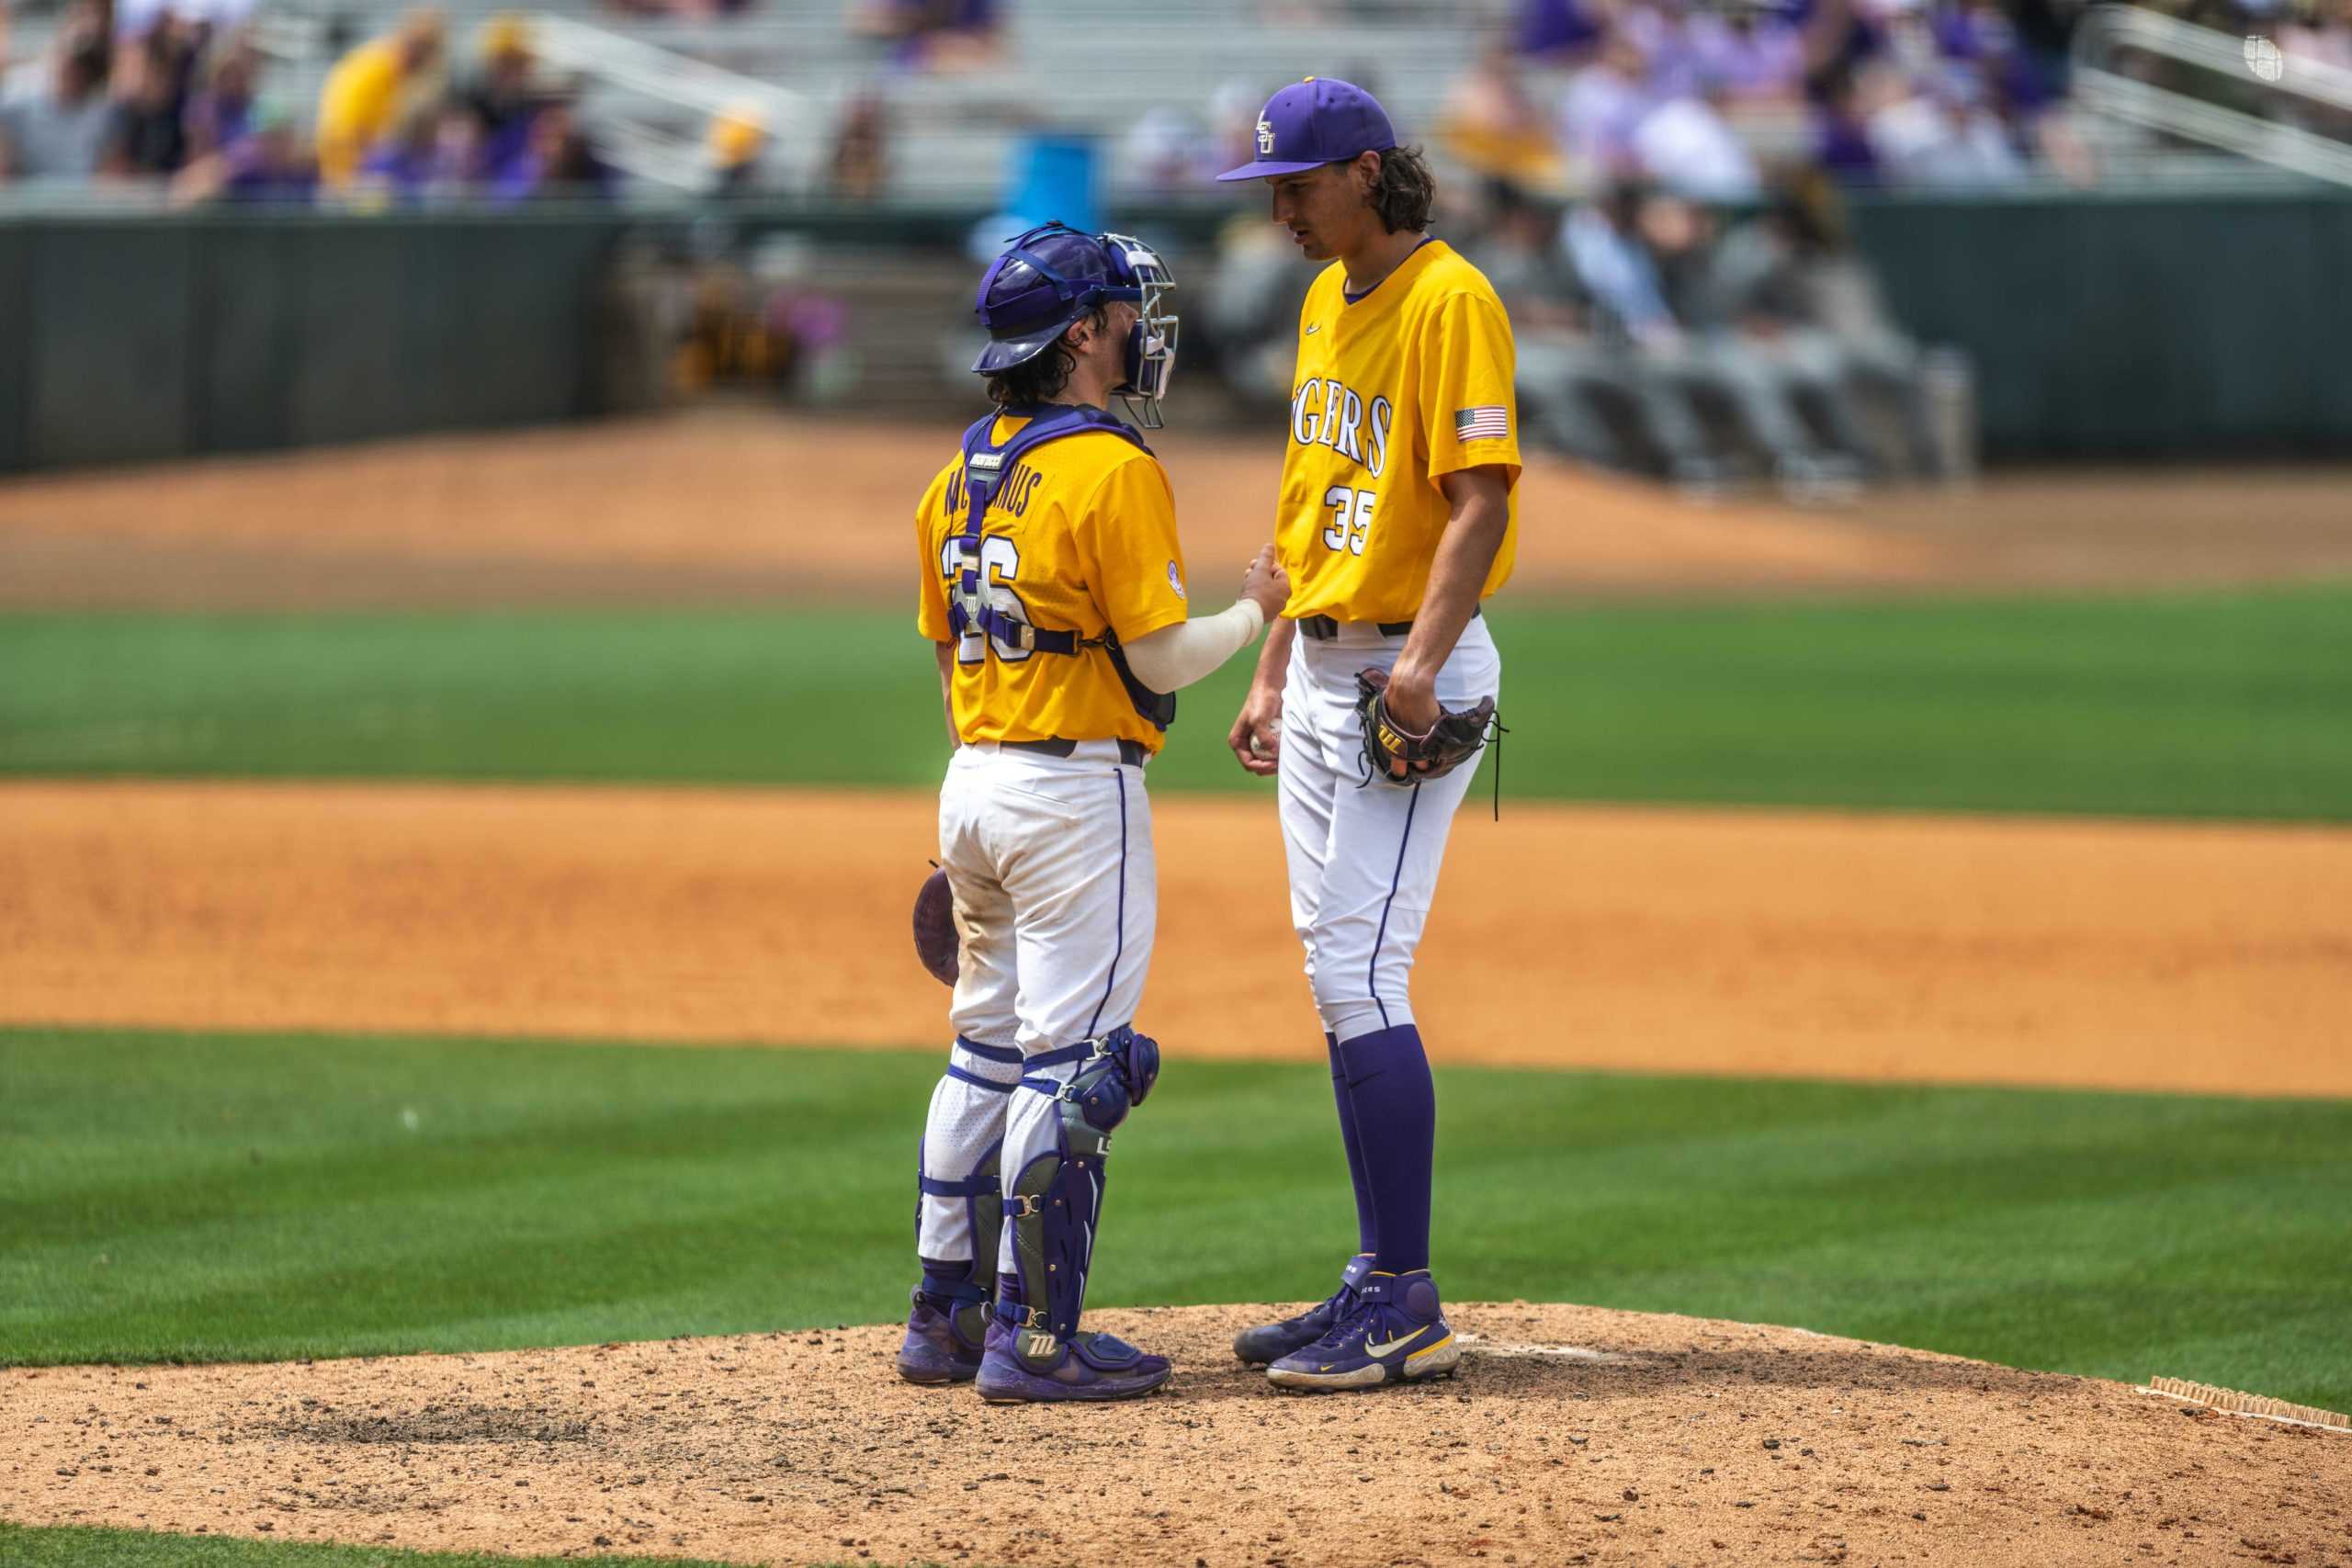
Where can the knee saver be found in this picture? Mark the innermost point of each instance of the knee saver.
(1111, 1083)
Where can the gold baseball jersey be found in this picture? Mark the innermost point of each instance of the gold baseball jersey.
(1079, 537)
(1394, 390)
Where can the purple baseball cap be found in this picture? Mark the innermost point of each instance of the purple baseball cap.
(1318, 121)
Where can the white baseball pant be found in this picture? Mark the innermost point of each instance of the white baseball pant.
(1056, 899)
(1365, 857)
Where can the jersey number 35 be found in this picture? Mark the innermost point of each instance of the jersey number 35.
(1351, 518)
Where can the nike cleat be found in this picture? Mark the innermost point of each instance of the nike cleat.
(1398, 1334)
(943, 1342)
(1273, 1341)
(1029, 1366)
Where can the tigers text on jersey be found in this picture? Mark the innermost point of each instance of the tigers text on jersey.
(1393, 391)
(1080, 536)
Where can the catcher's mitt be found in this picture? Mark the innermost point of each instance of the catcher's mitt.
(936, 942)
(1395, 753)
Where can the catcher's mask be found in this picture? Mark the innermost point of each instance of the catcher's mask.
(1051, 277)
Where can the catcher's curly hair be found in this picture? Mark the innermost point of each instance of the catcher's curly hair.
(1041, 378)
(1405, 190)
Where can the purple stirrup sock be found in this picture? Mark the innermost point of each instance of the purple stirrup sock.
(1367, 1220)
(943, 1279)
(1386, 1082)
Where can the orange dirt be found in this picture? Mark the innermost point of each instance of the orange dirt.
(1572, 1436)
(735, 505)
(2107, 955)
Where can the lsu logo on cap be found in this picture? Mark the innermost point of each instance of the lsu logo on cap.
(1265, 139)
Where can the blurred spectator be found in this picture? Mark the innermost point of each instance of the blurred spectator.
(1570, 378)
(858, 168)
(220, 110)
(57, 128)
(750, 319)
(370, 88)
(1647, 259)
(1945, 135)
(1557, 32)
(1686, 146)
(438, 156)
(733, 144)
(195, 19)
(558, 162)
(1792, 269)
(1605, 103)
(1738, 351)
(1615, 268)
(502, 92)
(1491, 123)
(147, 125)
(944, 34)
(1603, 243)
(270, 163)
(1838, 39)
(1842, 142)
(2323, 34)
(1754, 53)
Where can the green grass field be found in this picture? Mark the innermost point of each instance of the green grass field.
(169, 1197)
(75, 1548)
(2234, 703)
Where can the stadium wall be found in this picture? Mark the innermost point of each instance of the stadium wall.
(138, 339)
(2135, 326)
(2101, 326)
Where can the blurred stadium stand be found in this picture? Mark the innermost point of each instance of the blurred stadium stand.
(858, 172)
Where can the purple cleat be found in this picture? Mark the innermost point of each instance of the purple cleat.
(1273, 1341)
(1398, 1334)
(943, 1343)
(1029, 1365)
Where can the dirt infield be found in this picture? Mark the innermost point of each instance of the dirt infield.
(2107, 955)
(1572, 1436)
(744, 505)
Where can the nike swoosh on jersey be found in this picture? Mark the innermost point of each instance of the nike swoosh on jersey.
(1313, 330)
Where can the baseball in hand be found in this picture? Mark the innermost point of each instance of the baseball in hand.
(1258, 742)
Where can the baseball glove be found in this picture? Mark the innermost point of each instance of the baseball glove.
(1392, 752)
(936, 942)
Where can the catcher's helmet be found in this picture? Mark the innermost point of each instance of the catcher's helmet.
(1051, 277)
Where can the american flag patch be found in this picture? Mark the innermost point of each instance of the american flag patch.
(1491, 423)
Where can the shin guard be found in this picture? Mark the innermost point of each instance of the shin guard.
(1055, 1200)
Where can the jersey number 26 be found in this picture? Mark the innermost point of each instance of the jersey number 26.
(998, 562)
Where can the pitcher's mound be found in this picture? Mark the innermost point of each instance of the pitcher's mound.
(1572, 1434)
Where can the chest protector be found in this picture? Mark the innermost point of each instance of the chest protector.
(985, 468)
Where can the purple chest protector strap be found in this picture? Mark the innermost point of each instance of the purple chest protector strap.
(985, 467)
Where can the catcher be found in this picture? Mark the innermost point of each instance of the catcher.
(1053, 594)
